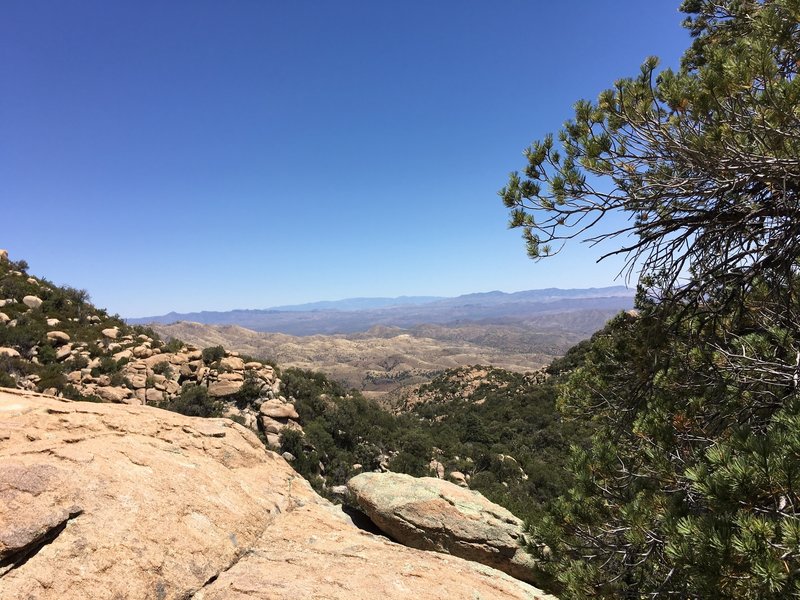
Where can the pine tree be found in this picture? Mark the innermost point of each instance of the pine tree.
(691, 486)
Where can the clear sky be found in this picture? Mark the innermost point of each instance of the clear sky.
(206, 155)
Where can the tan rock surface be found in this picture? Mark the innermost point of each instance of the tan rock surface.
(32, 301)
(57, 337)
(219, 389)
(277, 409)
(117, 501)
(232, 363)
(433, 514)
(314, 553)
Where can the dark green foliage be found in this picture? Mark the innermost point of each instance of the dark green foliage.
(194, 401)
(250, 392)
(510, 415)
(51, 376)
(29, 332)
(46, 354)
(689, 487)
(507, 434)
(173, 345)
(343, 428)
(306, 458)
(701, 162)
(213, 354)
(6, 380)
(76, 316)
(107, 366)
(163, 368)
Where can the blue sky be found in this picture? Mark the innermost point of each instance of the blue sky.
(199, 155)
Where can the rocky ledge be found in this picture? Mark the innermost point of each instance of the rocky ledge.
(128, 501)
(432, 514)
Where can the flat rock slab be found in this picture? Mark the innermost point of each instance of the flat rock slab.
(432, 514)
(119, 501)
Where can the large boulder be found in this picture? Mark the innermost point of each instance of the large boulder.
(231, 363)
(224, 387)
(433, 514)
(278, 409)
(57, 337)
(120, 501)
(32, 301)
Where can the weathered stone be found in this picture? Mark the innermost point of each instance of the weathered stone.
(231, 363)
(111, 333)
(340, 490)
(278, 410)
(123, 354)
(270, 425)
(231, 377)
(458, 478)
(138, 380)
(432, 514)
(3, 255)
(9, 352)
(52, 322)
(110, 501)
(32, 301)
(57, 337)
(142, 351)
(113, 394)
(4, 318)
(436, 468)
(153, 395)
(64, 352)
(219, 389)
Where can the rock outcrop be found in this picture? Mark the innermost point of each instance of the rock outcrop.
(64, 346)
(117, 501)
(432, 514)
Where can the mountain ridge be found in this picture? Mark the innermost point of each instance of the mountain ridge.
(483, 307)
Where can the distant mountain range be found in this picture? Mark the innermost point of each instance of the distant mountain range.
(355, 315)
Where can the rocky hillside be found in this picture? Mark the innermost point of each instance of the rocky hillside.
(127, 501)
(488, 429)
(386, 359)
(496, 431)
(53, 340)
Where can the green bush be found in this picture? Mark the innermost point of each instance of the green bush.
(213, 354)
(163, 368)
(250, 392)
(174, 345)
(194, 401)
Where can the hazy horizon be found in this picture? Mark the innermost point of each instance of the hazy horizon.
(302, 305)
